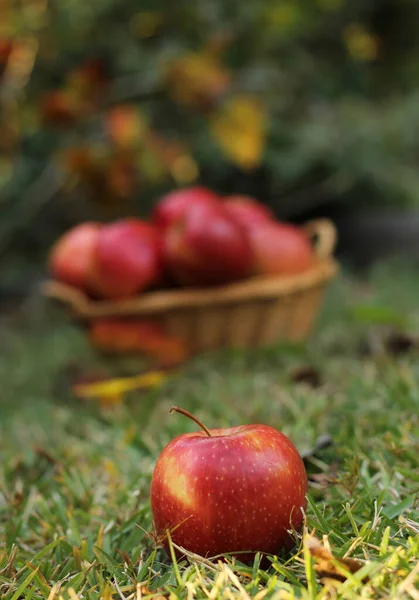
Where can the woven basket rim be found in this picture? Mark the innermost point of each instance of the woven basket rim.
(157, 302)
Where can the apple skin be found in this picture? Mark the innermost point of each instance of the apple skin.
(247, 211)
(127, 259)
(236, 492)
(280, 249)
(207, 247)
(173, 206)
(72, 255)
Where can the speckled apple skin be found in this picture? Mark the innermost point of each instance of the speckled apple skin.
(239, 490)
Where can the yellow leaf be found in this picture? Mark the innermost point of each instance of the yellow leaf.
(114, 388)
(240, 131)
(361, 44)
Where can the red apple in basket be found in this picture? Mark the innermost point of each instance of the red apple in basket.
(280, 249)
(238, 490)
(71, 257)
(175, 204)
(207, 246)
(247, 211)
(127, 259)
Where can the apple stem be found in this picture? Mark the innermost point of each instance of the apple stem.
(182, 411)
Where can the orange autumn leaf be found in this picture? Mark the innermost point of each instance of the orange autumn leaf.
(240, 130)
(126, 126)
(138, 336)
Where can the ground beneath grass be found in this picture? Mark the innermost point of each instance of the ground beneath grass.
(74, 478)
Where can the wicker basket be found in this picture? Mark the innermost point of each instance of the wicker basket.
(258, 311)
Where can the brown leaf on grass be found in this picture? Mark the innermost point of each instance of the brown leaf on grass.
(158, 594)
(328, 566)
(121, 336)
(239, 128)
(381, 341)
(398, 343)
(308, 375)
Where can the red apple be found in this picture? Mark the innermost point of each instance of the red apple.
(232, 490)
(71, 257)
(207, 246)
(247, 211)
(175, 204)
(121, 336)
(280, 249)
(127, 259)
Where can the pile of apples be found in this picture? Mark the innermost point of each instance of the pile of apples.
(194, 238)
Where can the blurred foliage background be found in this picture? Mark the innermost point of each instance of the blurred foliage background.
(107, 104)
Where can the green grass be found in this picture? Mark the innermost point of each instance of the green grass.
(74, 479)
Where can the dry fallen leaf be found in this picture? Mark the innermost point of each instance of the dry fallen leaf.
(308, 375)
(327, 565)
(239, 128)
(398, 343)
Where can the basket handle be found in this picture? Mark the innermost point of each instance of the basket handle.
(324, 234)
(67, 295)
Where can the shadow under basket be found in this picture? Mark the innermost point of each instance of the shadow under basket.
(255, 312)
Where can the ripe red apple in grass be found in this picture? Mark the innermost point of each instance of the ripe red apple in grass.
(280, 249)
(238, 491)
(207, 247)
(175, 204)
(71, 256)
(127, 259)
(247, 211)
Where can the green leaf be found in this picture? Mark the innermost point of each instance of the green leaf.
(24, 585)
(395, 511)
(371, 314)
